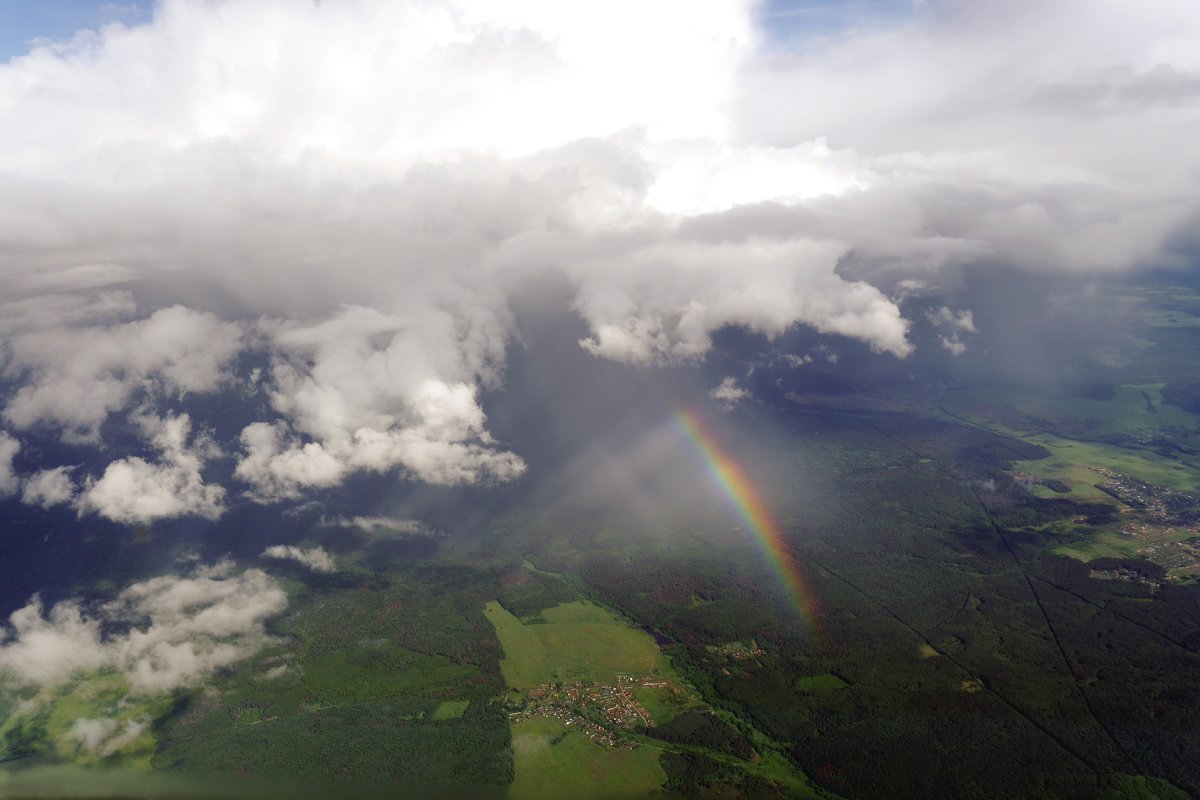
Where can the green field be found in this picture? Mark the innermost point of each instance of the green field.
(1102, 544)
(1170, 319)
(1132, 409)
(1144, 787)
(578, 641)
(818, 683)
(451, 709)
(552, 761)
(666, 702)
(1070, 460)
(1089, 543)
(1079, 478)
(118, 726)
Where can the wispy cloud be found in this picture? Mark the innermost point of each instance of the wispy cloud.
(315, 558)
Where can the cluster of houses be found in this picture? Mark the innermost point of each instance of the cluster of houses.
(605, 714)
(1163, 504)
(1166, 514)
(738, 651)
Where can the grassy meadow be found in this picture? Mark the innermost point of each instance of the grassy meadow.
(577, 641)
(1073, 463)
(553, 761)
(121, 731)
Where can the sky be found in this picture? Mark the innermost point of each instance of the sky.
(787, 20)
(330, 212)
(25, 22)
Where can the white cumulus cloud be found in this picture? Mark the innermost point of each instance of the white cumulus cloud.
(315, 558)
(370, 391)
(135, 491)
(49, 487)
(177, 631)
(728, 393)
(74, 377)
(10, 482)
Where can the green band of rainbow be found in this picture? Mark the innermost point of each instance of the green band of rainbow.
(753, 510)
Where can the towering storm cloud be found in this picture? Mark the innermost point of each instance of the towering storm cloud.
(331, 208)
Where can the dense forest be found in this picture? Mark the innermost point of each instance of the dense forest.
(956, 655)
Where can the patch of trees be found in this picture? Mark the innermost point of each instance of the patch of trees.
(695, 775)
(435, 610)
(1027, 509)
(1183, 395)
(361, 742)
(701, 729)
(530, 593)
(1096, 391)
(26, 737)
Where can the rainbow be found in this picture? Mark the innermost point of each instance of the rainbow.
(754, 511)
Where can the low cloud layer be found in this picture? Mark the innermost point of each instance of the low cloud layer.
(178, 630)
(951, 327)
(315, 558)
(379, 524)
(10, 482)
(328, 210)
(105, 736)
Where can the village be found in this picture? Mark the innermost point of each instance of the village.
(1164, 505)
(607, 715)
(1181, 559)
(1166, 520)
(1165, 515)
(738, 651)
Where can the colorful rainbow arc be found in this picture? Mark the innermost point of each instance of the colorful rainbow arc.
(754, 511)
